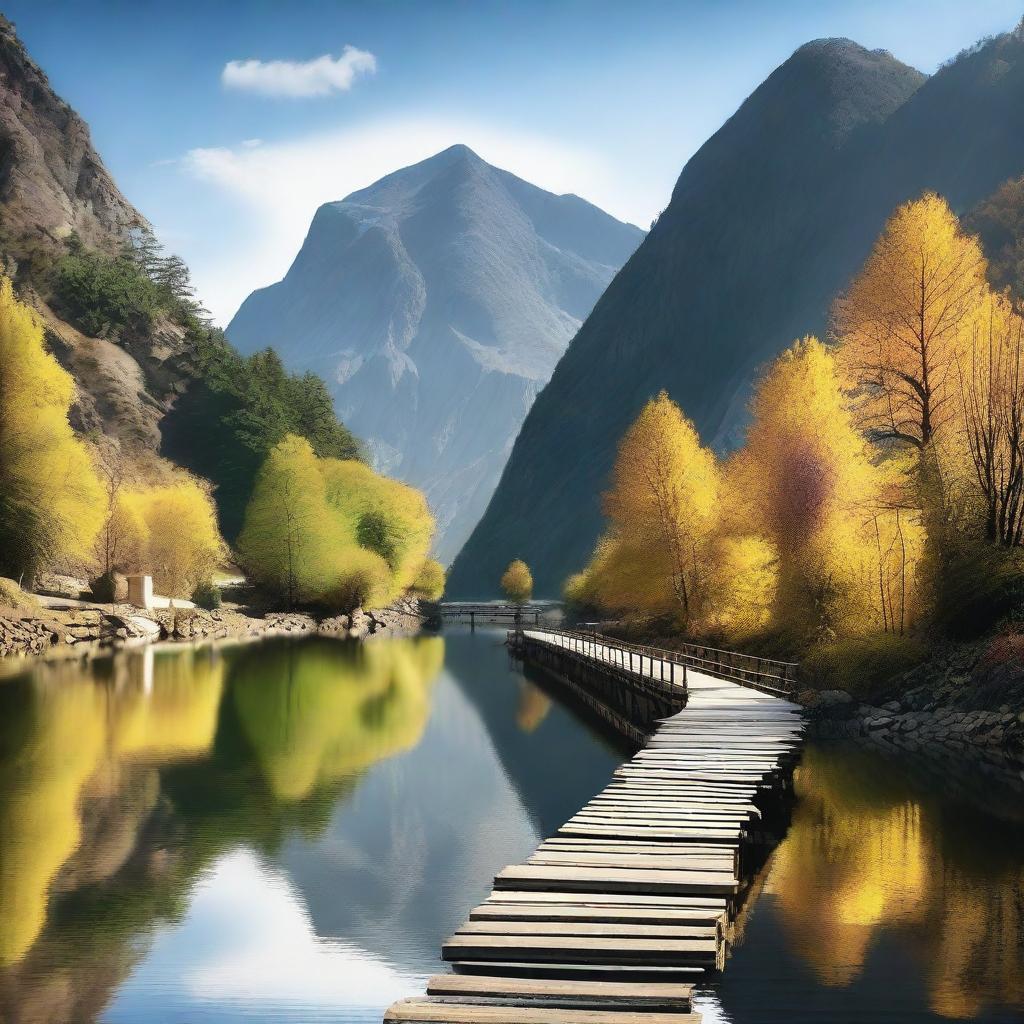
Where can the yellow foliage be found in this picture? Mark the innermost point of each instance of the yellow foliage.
(286, 538)
(810, 489)
(744, 575)
(662, 509)
(358, 579)
(180, 540)
(51, 501)
(125, 536)
(333, 531)
(430, 581)
(383, 516)
(907, 320)
(517, 581)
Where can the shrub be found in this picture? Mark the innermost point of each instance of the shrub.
(430, 581)
(109, 588)
(361, 581)
(207, 595)
(13, 597)
(861, 665)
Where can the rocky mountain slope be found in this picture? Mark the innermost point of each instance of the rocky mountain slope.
(156, 385)
(767, 223)
(436, 303)
(53, 186)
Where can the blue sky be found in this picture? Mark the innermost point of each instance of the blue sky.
(603, 99)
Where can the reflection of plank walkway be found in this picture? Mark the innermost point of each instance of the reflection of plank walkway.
(610, 920)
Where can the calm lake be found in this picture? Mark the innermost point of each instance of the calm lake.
(287, 831)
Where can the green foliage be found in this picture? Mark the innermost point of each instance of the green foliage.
(383, 516)
(207, 595)
(376, 533)
(974, 585)
(237, 411)
(103, 296)
(315, 530)
(104, 588)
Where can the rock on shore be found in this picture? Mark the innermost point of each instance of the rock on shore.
(36, 632)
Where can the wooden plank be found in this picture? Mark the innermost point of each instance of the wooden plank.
(568, 912)
(591, 949)
(428, 1011)
(577, 969)
(627, 860)
(586, 899)
(623, 994)
(606, 929)
(616, 880)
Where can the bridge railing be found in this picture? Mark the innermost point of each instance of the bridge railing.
(631, 666)
(492, 613)
(766, 674)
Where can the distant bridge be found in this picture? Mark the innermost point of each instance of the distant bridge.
(501, 613)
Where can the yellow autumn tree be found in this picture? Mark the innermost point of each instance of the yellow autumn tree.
(285, 541)
(907, 320)
(991, 400)
(51, 501)
(430, 581)
(332, 531)
(517, 581)
(183, 545)
(662, 509)
(811, 490)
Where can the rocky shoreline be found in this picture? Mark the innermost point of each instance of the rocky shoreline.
(73, 632)
(966, 699)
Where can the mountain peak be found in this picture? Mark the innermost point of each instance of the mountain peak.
(436, 302)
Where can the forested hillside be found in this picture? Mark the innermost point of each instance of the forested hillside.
(156, 386)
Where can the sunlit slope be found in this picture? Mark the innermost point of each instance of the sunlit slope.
(768, 222)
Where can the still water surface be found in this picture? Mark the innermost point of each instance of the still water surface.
(287, 831)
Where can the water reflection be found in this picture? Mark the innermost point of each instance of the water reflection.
(904, 902)
(270, 832)
(288, 831)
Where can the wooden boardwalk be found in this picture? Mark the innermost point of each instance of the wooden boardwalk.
(612, 919)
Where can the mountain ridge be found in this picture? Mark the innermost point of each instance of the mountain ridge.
(767, 223)
(436, 302)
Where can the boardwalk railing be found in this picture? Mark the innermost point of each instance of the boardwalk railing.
(765, 674)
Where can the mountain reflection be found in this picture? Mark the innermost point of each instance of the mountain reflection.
(870, 853)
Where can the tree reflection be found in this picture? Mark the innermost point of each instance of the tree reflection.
(867, 853)
(321, 713)
(121, 780)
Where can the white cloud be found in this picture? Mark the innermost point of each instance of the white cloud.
(299, 79)
(278, 187)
